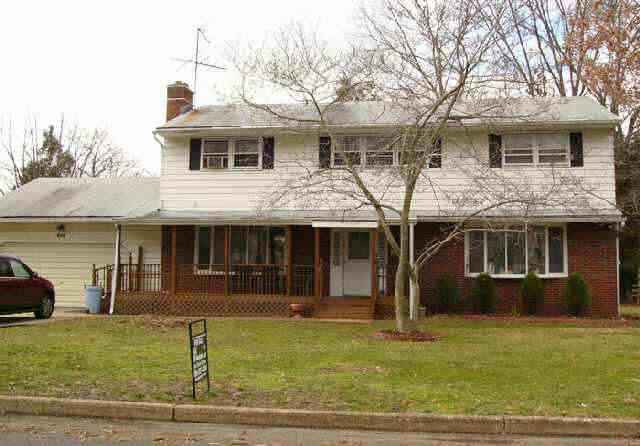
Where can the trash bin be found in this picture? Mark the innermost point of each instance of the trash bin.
(92, 298)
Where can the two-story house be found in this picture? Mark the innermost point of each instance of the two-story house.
(224, 250)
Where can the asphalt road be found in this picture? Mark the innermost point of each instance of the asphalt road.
(52, 431)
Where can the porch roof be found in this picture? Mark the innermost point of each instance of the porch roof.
(244, 217)
(335, 218)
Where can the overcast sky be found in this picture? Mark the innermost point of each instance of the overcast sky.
(107, 63)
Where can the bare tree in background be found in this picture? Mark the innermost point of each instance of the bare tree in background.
(428, 60)
(54, 152)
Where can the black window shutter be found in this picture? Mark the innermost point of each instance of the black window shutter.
(435, 159)
(194, 154)
(495, 150)
(268, 152)
(324, 152)
(577, 155)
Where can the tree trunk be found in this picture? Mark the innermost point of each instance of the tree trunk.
(401, 300)
(416, 292)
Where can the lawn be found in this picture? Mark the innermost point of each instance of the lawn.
(631, 311)
(478, 367)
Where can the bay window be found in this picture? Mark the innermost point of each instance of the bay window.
(513, 251)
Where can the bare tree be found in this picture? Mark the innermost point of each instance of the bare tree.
(56, 152)
(428, 60)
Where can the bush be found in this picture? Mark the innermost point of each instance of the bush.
(446, 293)
(577, 295)
(532, 294)
(483, 294)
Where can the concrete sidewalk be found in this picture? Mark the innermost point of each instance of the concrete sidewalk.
(55, 431)
(390, 422)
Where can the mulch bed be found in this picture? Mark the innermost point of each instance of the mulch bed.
(410, 336)
(625, 321)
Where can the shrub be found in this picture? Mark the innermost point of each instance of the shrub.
(483, 294)
(446, 293)
(532, 294)
(577, 295)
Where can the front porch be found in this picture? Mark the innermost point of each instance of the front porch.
(258, 271)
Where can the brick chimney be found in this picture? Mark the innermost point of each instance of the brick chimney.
(179, 99)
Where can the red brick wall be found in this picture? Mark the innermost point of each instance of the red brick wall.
(591, 250)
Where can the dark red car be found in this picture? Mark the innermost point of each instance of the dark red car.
(22, 290)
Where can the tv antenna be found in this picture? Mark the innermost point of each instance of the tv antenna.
(196, 61)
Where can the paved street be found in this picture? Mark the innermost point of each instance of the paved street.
(28, 430)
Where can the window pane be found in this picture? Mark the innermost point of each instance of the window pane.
(215, 155)
(515, 252)
(556, 250)
(204, 246)
(518, 149)
(495, 252)
(348, 148)
(246, 153)
(278, 242)
(257, 240)
(19, 270)
(238, 246)
(359, 245)
(476, 252)
(536, 249)
(216, 147)
(218, 245)
(379, 152)
(553, 148)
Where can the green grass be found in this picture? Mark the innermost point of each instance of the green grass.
(478, 367)
(630, 311)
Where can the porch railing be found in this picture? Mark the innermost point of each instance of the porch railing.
(211, 279)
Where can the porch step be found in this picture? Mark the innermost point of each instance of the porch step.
(344, 309)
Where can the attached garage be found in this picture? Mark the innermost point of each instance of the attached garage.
(61, 227)
(67, 265)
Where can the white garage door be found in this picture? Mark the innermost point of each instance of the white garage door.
(67, 265)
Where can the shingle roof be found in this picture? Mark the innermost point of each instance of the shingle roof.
(359, 114)
(82, 198)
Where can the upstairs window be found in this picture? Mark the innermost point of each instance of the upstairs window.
(242, 153)
(215, 155)
(348, 148)
(513, 252)
(379, 151)
(247, 153)
(536, 149)
(373, 151)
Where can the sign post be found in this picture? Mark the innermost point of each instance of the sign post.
(199, 354)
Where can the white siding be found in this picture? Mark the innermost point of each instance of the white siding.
(67, 262)
(463, 153)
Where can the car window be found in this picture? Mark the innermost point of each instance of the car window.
(5, 269)
(19, 270)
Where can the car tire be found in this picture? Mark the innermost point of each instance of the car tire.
(45, 310)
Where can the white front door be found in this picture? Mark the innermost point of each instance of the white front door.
(350, 263)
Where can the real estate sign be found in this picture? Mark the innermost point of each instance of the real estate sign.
(199, 354)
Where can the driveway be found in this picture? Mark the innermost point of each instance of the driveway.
(60, 313)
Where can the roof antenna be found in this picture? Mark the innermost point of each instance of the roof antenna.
(196, 60)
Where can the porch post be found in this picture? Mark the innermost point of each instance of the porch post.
(374, 264)
(174, 247)
(289, 261)
(227, 244)
(317, 263)
(413, 310)
(140, 267)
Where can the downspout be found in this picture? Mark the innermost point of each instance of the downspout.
(619, 229)
(116, 269)
(412, 290)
